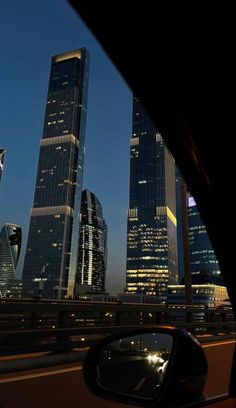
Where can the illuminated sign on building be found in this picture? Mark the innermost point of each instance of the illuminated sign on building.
(191, 202)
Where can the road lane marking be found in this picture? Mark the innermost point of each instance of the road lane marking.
(140, 384)
(219, 343)
(35, 375)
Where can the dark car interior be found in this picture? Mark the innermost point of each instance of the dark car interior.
(178, 60)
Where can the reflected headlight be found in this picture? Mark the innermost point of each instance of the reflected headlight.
(155, 359)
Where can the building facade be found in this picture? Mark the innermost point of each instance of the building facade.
(52, 248)
(152, 226)
(14, 288)
(209, 295)
(202, 255)
(10, 246)
(92, 260)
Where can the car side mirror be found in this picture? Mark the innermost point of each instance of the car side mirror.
(146, 367)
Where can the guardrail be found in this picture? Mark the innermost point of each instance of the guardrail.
(29, 341)
(29, 314)
(31, 325)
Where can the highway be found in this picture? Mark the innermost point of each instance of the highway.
(63, 386)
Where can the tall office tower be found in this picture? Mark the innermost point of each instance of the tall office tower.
(10, 245)
(93, 245)
(2, 157)
(152, 237)
(52, 248)
(202, 255)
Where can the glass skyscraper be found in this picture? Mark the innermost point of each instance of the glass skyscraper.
(93, 245)
(202, 255)
(152, 237)
(52, 248)
(10, 246)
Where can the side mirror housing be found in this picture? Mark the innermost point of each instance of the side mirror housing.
(148, 367)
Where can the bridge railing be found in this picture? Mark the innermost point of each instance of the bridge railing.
(28, 326)
(29, 341)
(28, 314)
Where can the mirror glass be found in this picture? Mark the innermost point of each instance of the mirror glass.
(135, 365)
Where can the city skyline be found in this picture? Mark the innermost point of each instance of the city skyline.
(108, 123)
(109, 120)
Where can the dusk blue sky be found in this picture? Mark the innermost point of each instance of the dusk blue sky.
(31, 32)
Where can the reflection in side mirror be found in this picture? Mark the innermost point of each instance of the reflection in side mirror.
(135, 365)
(160, 366)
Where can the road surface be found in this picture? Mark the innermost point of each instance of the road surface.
(63, 386)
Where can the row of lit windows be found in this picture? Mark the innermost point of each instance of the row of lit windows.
(59, 148)
(191, 213)
(199, 232)
(56, 113)
(204, 251)
(62, 103)
(197, 227)
(134, 155)
(149, 236)
(56, 244)
(55, 121)
(161, 270)
(151, 277)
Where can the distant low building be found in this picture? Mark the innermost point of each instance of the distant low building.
(120, 297)
(208, 294)
(137, 298)
(103, 298)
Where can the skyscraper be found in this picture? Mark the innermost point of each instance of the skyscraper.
(152, 240)
(2, 157)
(179, 216)
(202, 255)
(93, 245)
(52, 248)
(10, 245)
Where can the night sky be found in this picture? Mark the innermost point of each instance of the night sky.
(31, 31)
